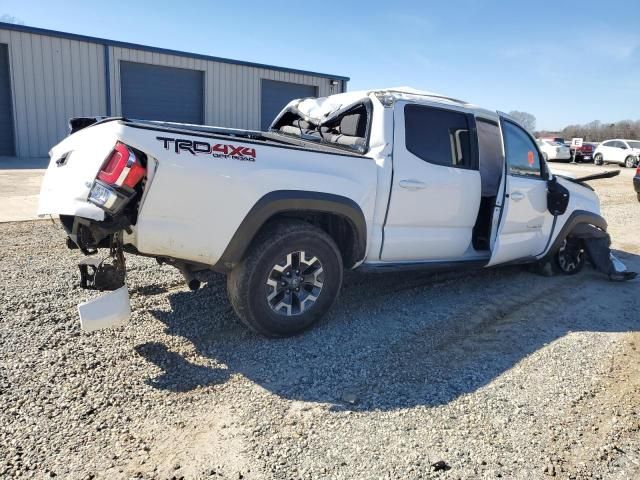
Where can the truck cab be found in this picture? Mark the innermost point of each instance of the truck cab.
(456, 183)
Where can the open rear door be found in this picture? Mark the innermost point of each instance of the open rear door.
(525, 224)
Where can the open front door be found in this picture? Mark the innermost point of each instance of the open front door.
(525, 224)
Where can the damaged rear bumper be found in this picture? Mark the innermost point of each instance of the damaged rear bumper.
(109, 310)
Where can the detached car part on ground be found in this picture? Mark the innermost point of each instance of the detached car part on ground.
(376, 180)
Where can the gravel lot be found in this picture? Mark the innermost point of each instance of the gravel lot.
(499, 373)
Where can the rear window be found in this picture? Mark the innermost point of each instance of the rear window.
(438, 136)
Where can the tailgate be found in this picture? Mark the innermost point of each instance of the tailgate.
(73, 166)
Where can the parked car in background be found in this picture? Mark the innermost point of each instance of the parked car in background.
(622, 152)
(584, 153)
(636, 183)
(554, 150)
(555, 139)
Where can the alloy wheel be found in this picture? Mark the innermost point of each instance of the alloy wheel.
(294, 283)
(570, 258)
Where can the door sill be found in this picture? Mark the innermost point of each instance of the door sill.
(470, 264)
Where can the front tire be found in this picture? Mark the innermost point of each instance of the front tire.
(570, 258)
(288, 280)
(598, 159)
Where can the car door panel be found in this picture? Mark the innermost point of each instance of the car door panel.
(525, 224)
(433, 207)
(621, 152)
(525, 228)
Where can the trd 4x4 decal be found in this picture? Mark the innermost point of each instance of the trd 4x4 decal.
(218, 150)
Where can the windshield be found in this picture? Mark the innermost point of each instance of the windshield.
(634, 144)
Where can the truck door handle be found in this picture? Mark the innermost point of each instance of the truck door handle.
(517, 196)
(412, 184)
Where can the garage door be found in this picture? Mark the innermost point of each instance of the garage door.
(154, 92)
(275, 95)
(6, 110)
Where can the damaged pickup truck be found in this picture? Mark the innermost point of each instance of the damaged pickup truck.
(373, 180)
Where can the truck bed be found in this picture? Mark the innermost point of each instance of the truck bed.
(274, 139)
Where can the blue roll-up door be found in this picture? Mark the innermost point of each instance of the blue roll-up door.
(7, 146)
(275, 95)
(154, 92)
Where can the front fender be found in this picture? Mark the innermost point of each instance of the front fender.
(578, 217)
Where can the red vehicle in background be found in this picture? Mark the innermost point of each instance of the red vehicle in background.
(555, 139)
(584, 153)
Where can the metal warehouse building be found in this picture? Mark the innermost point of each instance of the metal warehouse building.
(47, 77)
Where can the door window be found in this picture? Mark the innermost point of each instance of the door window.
(491, 158)
(521, 152)
(438, 136)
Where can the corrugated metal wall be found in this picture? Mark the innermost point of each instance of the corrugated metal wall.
(54, 79)
(232, 92)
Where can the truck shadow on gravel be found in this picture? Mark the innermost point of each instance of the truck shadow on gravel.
(395, 340)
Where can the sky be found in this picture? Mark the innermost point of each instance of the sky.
(565, 62)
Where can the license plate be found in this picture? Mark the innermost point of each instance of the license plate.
(587, 157)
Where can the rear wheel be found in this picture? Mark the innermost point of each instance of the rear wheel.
(630, 161)
(288, 280)
(570, 257)
(598, 159)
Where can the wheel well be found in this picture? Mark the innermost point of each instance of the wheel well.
(339, 216)
(338, 227)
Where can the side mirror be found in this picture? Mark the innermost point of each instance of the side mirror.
(557, 197)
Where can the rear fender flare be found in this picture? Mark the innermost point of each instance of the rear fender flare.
(291, 201)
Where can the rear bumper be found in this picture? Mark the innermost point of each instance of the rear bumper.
(89, 235)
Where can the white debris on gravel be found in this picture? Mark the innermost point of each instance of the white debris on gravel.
(499, 373)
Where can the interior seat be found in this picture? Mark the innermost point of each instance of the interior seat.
(350, 131)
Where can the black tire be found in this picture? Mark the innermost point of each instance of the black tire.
(630, 161)
(598, 159)
(248, 289)
(570, 257)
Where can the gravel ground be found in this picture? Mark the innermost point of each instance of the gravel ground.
(498, 373)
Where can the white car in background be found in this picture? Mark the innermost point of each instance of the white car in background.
(622, 152)
(553, 150)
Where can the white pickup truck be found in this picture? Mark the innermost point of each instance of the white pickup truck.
(375, 180)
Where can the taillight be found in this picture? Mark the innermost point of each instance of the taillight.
(122, 168)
